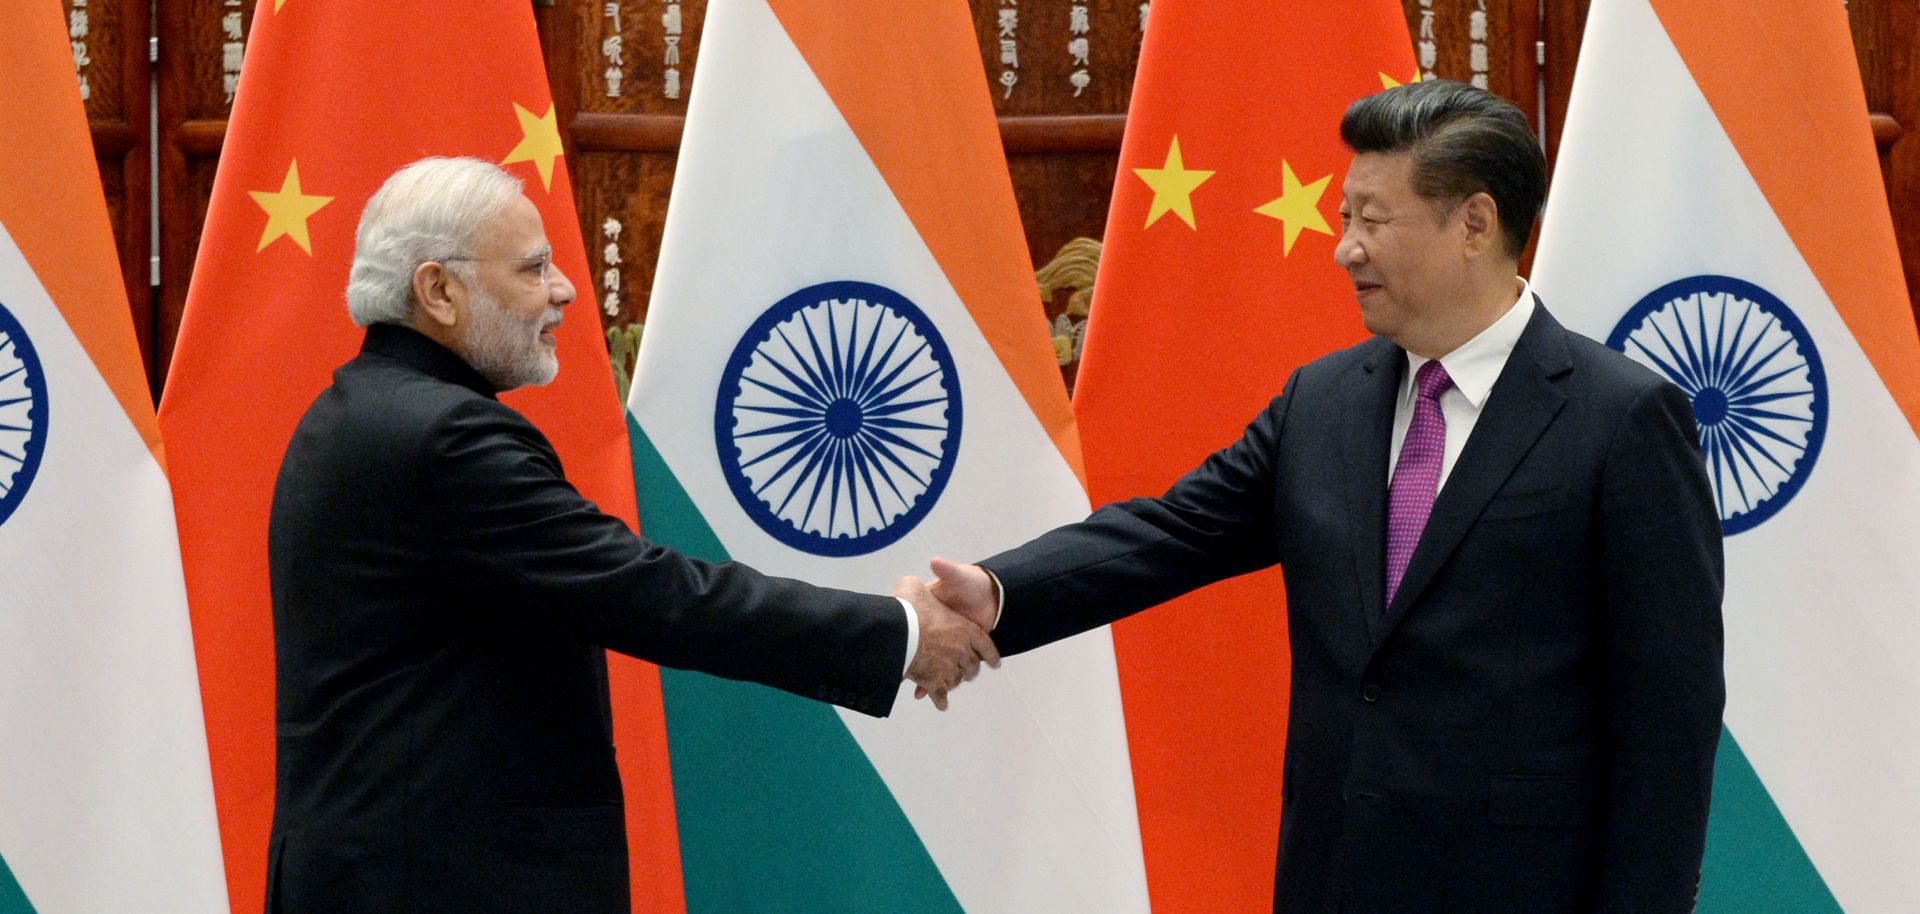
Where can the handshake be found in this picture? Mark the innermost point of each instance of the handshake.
(955, 612)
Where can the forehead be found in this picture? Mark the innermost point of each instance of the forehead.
(517, 229)
(1379, 175)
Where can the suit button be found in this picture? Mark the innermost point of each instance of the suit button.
(1370, 694)
(838, 695)
(820, 692)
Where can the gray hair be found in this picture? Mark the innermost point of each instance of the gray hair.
(430, 210)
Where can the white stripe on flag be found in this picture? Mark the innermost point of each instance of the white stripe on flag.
(775, 193)
(106, 803)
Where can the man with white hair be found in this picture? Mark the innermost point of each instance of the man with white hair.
(442, 595)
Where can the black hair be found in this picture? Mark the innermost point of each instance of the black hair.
(1463, 141)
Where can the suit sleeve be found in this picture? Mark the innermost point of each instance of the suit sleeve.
(1214, 523)
(533, 548)
(1661, 568)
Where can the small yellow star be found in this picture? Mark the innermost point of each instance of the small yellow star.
(1298, 206)
(539, 143)
(1391, 83)
(1173, 185)
(287, 210)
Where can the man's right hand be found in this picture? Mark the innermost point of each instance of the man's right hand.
(969, 590)
(951, 647)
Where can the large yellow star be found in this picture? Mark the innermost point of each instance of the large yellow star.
(1173, 184)
(1391, 83)
(287, 210)
(539, 142)
(1298, 206)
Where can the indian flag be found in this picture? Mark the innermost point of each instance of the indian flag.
(1717, 213)
(845, 371)
(106, 803)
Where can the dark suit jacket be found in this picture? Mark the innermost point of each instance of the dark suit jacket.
(441, 598)
(1530, 726)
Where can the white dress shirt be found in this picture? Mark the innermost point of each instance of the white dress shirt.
(1474, 366)
(913, 636)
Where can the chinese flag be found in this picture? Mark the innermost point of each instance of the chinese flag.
(1217, 280)
(334, 97)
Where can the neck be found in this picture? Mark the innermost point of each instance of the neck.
(438, 332)
(1486, 302)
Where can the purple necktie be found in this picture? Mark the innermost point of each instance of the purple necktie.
(1416, 478)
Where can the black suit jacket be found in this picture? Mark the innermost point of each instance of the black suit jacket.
(441, 598)
(1530, 726)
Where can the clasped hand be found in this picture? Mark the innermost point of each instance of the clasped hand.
(952, 646)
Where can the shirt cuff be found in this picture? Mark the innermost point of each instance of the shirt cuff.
(913, 635)
(999, 598)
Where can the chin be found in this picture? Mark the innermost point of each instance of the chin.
(1374, 323)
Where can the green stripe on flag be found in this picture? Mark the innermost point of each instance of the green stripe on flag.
(13, 899)
(779, 808)
(1754, 864)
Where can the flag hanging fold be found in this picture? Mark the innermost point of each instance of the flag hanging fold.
(1717, 213)
(106, 803)
(334, 98)
(846, 370)
(1217, 280)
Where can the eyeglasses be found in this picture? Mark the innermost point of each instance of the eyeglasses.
(544, 259)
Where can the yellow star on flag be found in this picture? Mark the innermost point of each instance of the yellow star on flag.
(539, 142)
(1173, 185)
(1298, 206)
(1390, 83)
(287, 210)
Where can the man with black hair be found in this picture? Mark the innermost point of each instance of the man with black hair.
(1502, 560)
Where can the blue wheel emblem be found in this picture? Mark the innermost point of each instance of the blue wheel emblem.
(1759, 392)
(839, 418)
(23, 413)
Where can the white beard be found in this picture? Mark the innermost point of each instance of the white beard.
(508, 352)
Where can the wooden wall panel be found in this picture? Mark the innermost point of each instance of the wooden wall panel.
(199, 43)
(1886, 36)
(1062, 147)
(109, 40)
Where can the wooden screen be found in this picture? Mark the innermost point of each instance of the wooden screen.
(620, 71)
(109, 39)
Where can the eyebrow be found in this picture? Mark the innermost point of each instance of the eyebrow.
(543, 250)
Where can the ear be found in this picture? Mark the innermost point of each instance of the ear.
(1480, 217)
(437, 295)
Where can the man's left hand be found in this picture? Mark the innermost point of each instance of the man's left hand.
(951, 647)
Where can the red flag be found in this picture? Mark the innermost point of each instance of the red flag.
(1218, 279)
(333, 99)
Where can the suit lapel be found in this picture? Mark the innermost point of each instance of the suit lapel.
(1368, 432)
(1519, 408)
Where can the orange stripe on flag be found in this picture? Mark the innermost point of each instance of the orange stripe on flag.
(1786, 88)
(64, 235)
(880, 78)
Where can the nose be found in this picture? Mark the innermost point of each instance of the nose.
(1348, 253)
(560, 290)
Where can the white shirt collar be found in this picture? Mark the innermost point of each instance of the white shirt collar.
(1477, 363)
